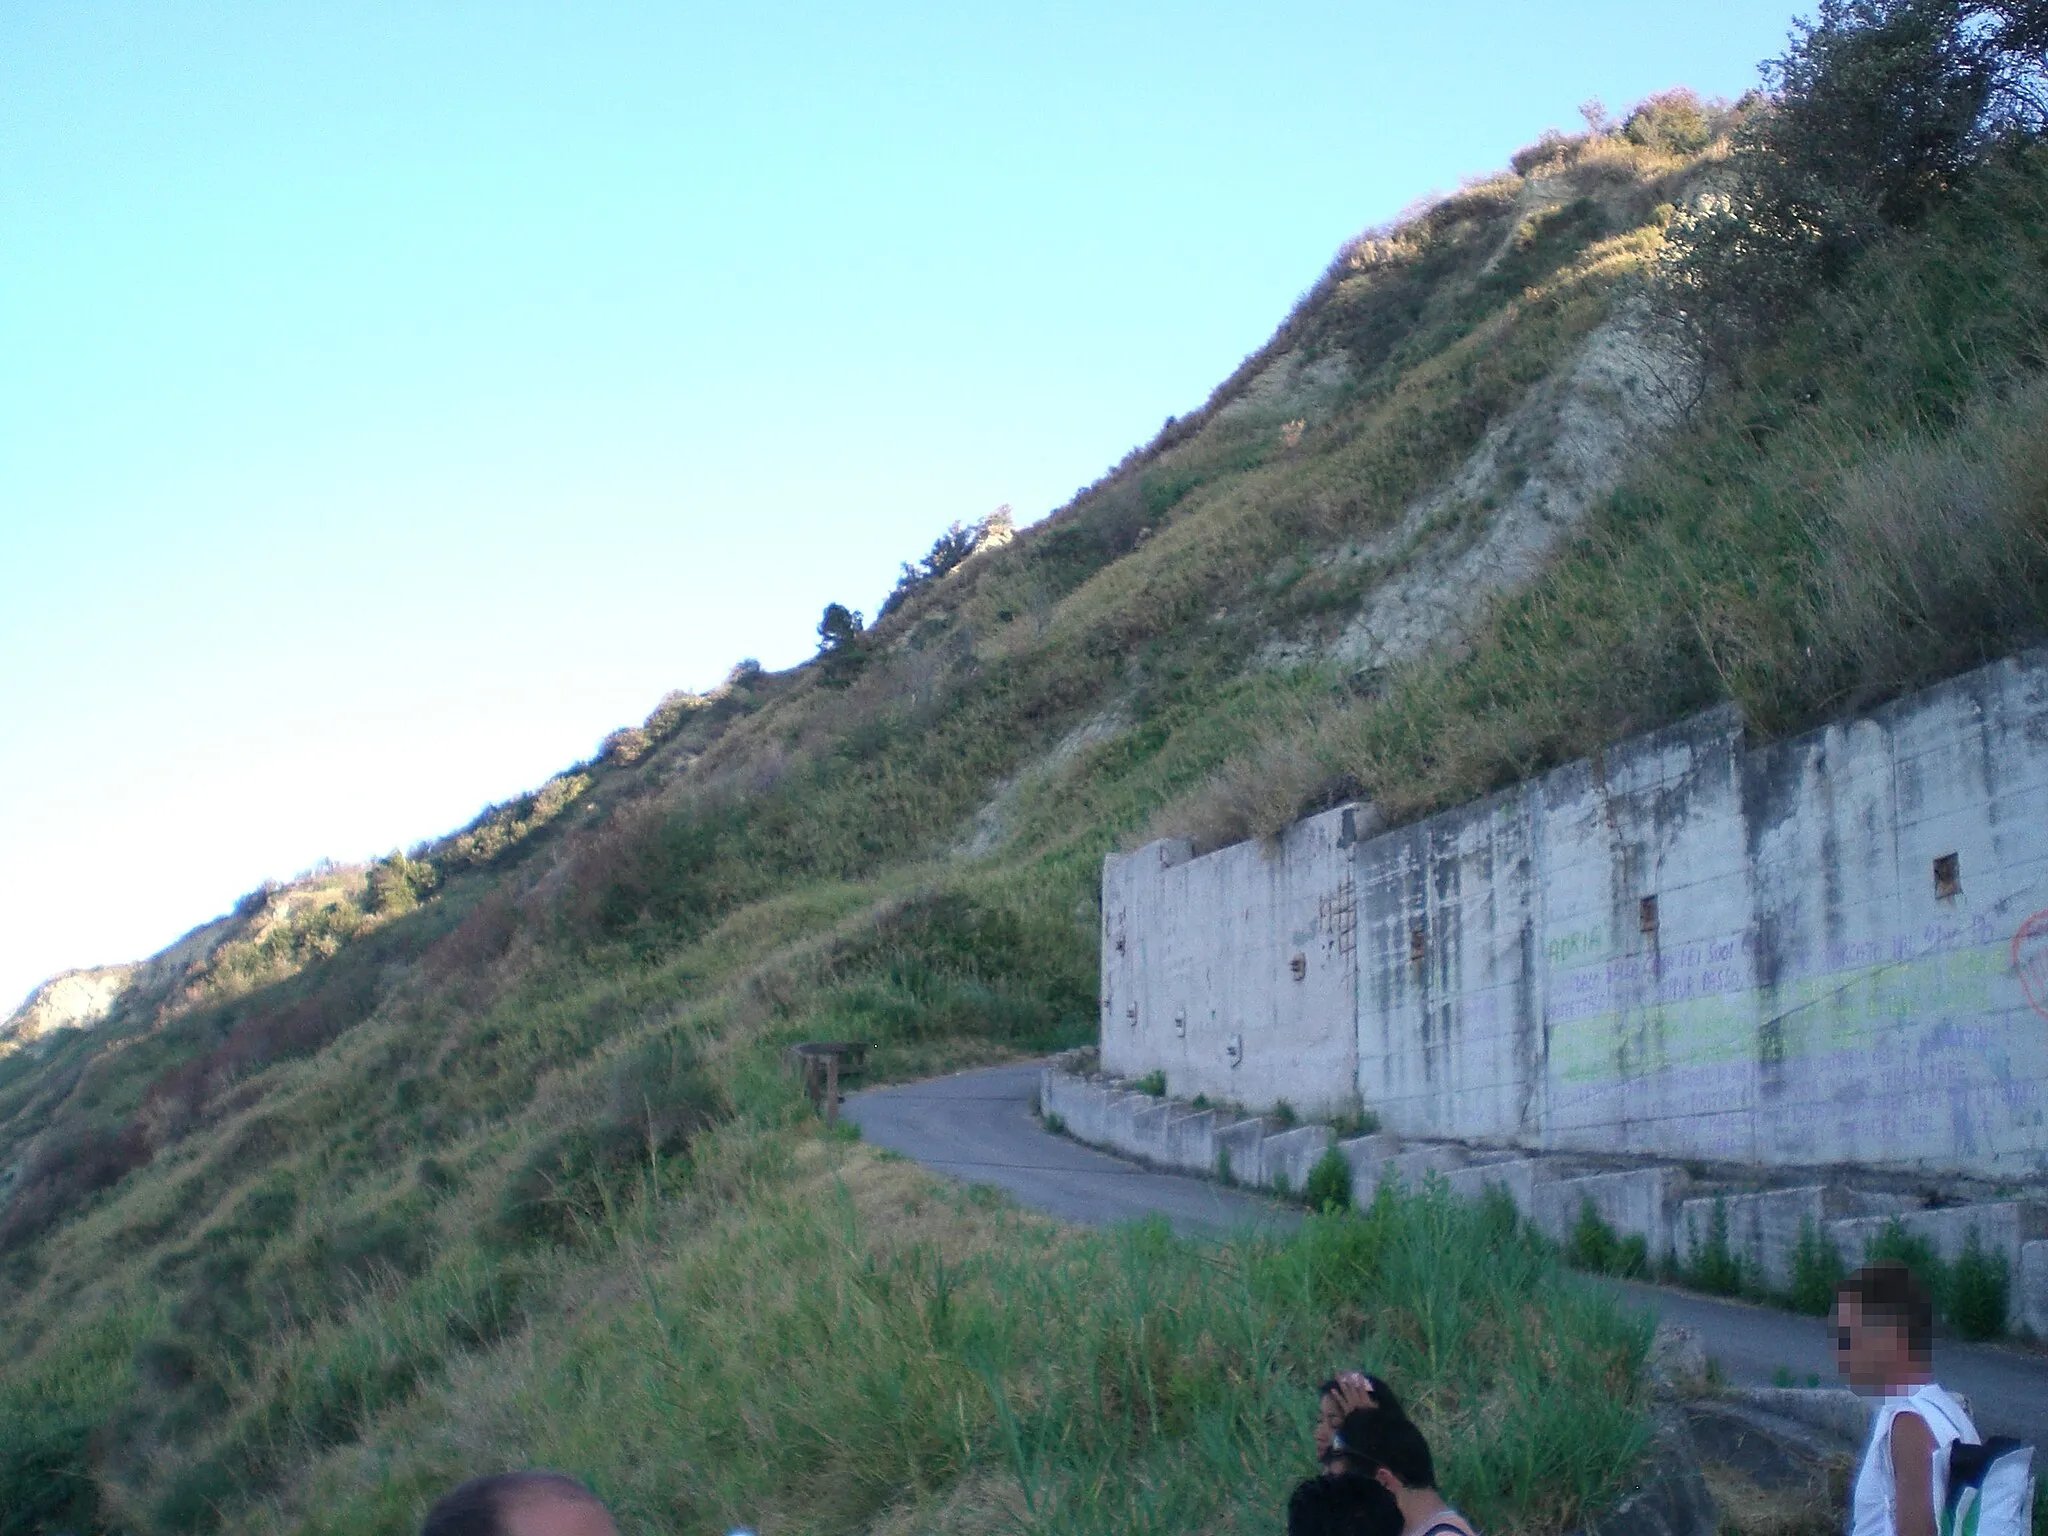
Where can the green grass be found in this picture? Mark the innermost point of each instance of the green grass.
(858, 1341)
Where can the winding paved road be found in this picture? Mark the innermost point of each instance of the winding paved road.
(979, 1127)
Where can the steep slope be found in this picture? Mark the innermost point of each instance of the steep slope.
(1418, 545)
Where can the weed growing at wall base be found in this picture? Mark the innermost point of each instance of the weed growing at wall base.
(1817, 1271)
(1594, 1245)
(1328, 1186)
(1713, 1267)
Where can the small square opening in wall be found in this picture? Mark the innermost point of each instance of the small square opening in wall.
(1948, 876)
(1646, 914)
(1299, 966)
(1418, 944)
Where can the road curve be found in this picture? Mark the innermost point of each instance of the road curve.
(979, 1127)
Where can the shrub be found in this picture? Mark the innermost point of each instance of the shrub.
(947, 965)
(1672, 123)
(1354, 1123)
(1284, 1115)
(658, 1099)
(1934, 557)
(397, 883)
(1881, 108)
(46, 1482)
(625, 746)
(70, 1167)
(364, 1250)
(1153, 1083)
(1553, 145)
(1328, 1187)
(1817, 1271)
(1595, 1246)
(1978, 1290)
(948, 552)
(1895, 1245)
(675, 708)
(842, 648)
(481, 937)
(1712, 1267)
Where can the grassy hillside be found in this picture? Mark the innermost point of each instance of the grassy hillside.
(507, 1169)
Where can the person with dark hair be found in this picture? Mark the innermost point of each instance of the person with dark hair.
(520, 1504)
(1347, 1393)
(1389, 1449)
(1884, 1345)
(1340, 1505)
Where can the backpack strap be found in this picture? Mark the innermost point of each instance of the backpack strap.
(1967, 1464)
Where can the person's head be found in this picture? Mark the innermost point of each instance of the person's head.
(1331, 1406)
(1884, 1328)
(1386, 1447)
(1342, 1506)
(520, 1504)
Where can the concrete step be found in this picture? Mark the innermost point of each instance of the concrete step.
(1672, 1211)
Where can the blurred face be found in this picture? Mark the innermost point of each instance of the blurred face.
(547, 1516)
(1329, 1419)
(1871, 1355)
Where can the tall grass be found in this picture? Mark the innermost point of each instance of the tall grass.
(857, 1344)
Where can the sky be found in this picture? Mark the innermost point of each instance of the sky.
(396, 398)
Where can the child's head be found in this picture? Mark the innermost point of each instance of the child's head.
(1340, 1394)
(1884, 1328)
(1385, 1446)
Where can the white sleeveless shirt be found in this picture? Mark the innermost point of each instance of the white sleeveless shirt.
(1871, 1511)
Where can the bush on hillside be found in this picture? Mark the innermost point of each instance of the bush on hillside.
(947, 965)
(625, 746)
(1934, 558)
(1674, 123)
(948, 552)
(68, 1169)
(652, 876)
(484, 934)
(842, 645)
(1879, 109)
(675, 708)
(658, 1099)
(397, 883)
(499, 828)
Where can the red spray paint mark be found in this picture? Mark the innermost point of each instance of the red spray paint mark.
(2030, 959)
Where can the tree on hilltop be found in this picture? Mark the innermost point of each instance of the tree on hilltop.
(842, 649)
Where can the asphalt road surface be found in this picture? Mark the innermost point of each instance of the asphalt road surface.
(978, 1127)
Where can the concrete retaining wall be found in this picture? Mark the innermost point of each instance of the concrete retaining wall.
(1833, 949)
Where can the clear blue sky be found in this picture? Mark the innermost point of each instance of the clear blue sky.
(395, 398)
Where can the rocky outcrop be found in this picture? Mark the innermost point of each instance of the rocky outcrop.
(72, 1000)
(1520, 493)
